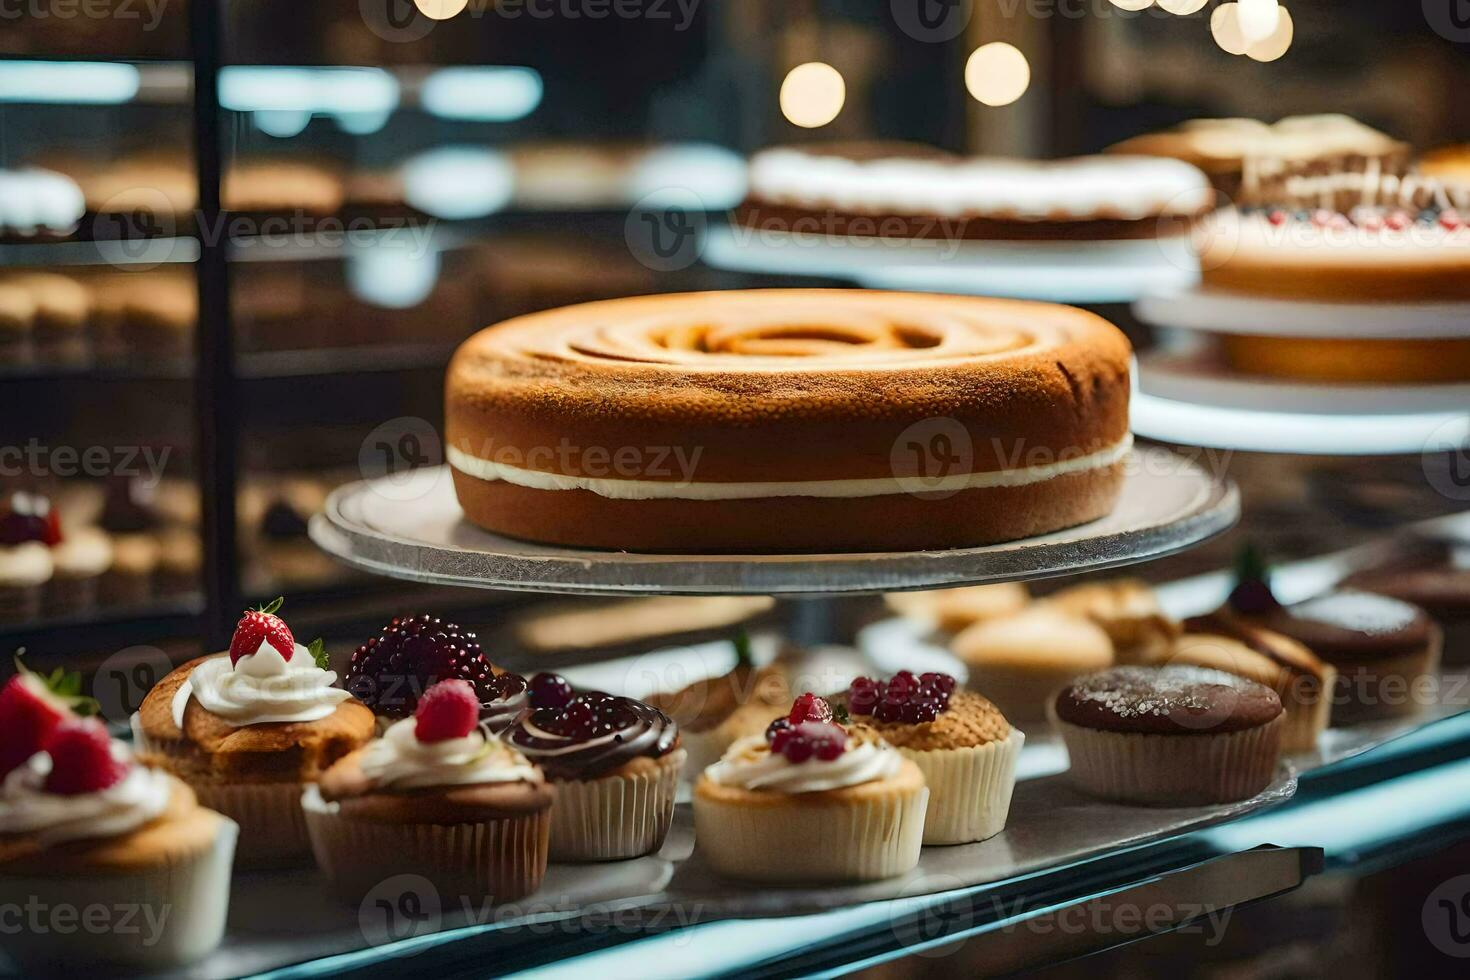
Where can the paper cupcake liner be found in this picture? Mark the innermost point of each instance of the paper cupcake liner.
(1386, 688)
(615, 817)
(487, 861)
(798, 842)
(272, 826)
(1307, 717)
(969, 789)
(162, 917)
(1173, 770)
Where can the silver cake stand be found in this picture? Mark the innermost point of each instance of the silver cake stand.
(410, 527)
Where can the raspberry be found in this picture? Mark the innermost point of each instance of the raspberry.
(82, 759)
(799, 743)
(550, 691)
(909, 698)
(447, 710)
(391, 672)
(809, 707)
(259, 626)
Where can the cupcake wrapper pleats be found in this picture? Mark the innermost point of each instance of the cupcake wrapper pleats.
(615, 817)
(969, 789)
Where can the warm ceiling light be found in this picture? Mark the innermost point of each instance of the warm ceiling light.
(440, 9)
(1183, 7)
(1277, 44)
(997, 74)
(813, 94)
(1258, 19)
(1225, 26)
(1133, 4)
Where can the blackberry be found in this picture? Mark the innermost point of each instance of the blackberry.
(392, 671)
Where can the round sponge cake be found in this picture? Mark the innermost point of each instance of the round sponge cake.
(789, 420)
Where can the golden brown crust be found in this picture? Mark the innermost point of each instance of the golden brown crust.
(907, 780)
(1126, 609)
(210, 748)
(970, 721)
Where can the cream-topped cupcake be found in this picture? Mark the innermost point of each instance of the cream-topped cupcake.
(811, 801)
(82, 557)
(248, 729)
(435, 796)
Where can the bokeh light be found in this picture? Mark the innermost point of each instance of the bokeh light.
(813, 94)
(997, 74)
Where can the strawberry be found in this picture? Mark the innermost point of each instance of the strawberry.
(447, 710)
(82, 759)
(31, 708)
(259, 626)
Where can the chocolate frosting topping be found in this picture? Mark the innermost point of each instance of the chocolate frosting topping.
(1434, 574)
(1353, 626)
(1174, 700)
(592, 735)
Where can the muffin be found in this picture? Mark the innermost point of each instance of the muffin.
(952, 610)
(1018, 662)
(615, 763)
(1127, 610)
(84, 826)
(81, 559)
(435, 796)
(1433, 574)
(962, 744)
(811, 802)
(1302, 681)
(248, 729)
(1170, 736)
(390, 672)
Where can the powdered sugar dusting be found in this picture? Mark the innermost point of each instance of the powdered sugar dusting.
(1135, 692)
(1362, 612)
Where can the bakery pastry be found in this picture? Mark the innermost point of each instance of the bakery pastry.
(81, 559)
(1170, 736)
(1302, 681)
(248, 729)
(390, 672)
(1019, 661)
(789, 420)
(129, 581)
(953, 610)
(436, 796)
(1238, 154)
(1433, 574)
(811, 802)
(1127, 610)
(28, 529)
(615, 763)
(181, 559)
(890, 191)
(83, 826)
(17, 325)
(962, 744)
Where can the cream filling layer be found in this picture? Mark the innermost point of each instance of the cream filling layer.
(618, 489)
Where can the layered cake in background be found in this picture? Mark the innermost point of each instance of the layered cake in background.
(811, 801)
(435, 796)
(1170, 736)
(898, 191)
(789, 420)
(615, 763)
(1228, 149)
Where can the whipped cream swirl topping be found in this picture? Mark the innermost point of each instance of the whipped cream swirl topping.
(26, 807)
(262, 687)
(750, 764)
(399, 760)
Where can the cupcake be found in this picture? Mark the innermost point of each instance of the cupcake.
(129, 581)
(1127, 610)
(248, 729)
(83, 826)
(390, 672)
(1433, 574)
(28, 528)
(962, 744)
(436, 796)
(1170, 736)
(81, 558)
(952, 610)
(810, 802)
(1018, 662)
(180, 562)
(615, 763)
(1302, 680)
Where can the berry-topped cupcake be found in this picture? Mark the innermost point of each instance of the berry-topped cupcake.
(436, 796)
(615, 762)
(811, 801)
(248, 728)
(83, 826)
(28, 530)
(961, 742)
(390, 672)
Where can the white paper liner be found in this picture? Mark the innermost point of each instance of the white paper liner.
(615, 817)
(1307, 716)
(1173, 770)
(969, 789)
(272, 826)
(487, 861)
(158, 918)
(796, 841)
(1386, 688)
